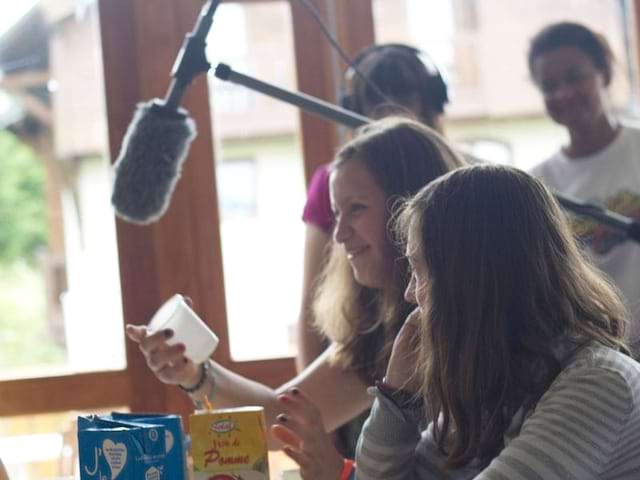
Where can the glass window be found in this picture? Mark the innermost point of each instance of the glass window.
(60, 308)
(237, 188)
(481, 47)
(42, 446)
(497, 151)
(260, 179)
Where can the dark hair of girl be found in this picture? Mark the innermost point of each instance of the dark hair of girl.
(507, 287)
(570, 34)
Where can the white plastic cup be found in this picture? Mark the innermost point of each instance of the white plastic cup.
(188, 328)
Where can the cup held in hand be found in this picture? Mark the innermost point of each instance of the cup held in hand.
(175, 314)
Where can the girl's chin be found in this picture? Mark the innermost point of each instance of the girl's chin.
(365, 280)
(573, 120)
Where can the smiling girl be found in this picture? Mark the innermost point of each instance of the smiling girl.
(573, 68)
(360, 303)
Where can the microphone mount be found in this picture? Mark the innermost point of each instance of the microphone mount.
(191, 60)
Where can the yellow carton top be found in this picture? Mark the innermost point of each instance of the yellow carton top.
(249, 408)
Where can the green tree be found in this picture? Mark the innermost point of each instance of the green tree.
(23, 225)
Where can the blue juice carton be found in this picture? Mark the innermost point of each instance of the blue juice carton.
(175, 466)
(112, 450)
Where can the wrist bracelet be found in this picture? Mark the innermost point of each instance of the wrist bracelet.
(348, 467)
(199, 383)
(209, 377)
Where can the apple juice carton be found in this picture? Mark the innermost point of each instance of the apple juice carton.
(229, 444)
(176, 460)
(112, 450)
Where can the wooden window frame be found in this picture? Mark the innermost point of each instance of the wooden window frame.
(182, 251)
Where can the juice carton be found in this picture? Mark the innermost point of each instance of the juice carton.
(229, 444)
(111, 450)
(176, 460)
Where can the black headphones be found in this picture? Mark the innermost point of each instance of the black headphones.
(434, 89)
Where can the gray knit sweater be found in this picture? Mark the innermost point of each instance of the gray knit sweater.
(586, 426)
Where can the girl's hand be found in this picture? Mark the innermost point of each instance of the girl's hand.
(404, 356)
(167, 362)
(302, 431)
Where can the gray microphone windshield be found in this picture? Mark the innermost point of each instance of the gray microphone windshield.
(150, 161)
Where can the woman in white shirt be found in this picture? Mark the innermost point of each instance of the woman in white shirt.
(573, 68)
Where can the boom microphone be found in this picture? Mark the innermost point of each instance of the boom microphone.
(150, 162)
(159, 136)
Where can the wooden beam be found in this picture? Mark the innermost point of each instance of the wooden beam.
(88, 392)
(355, 25)
(314, 74)
(35, 107)
(122, 66)
(181, 251)
(24, 80)
(634, 29)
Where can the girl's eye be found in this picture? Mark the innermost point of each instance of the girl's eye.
(350, 209)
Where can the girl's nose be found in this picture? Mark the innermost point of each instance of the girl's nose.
(562, 92)
(410, 292)
(342, 230)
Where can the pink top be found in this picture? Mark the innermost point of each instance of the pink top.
(317, 210)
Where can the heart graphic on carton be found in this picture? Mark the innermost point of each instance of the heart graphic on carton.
(116, 456)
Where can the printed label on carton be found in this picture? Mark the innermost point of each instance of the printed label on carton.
(229, 444)
(175, 462)
(110, 450)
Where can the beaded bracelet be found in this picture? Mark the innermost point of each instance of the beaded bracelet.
(206, 376)
(199, 383)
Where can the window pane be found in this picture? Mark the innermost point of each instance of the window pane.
(481, 48)
(43, 447)
(260, 179)
(60, 309)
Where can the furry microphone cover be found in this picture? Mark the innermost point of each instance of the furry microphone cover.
(150, 162)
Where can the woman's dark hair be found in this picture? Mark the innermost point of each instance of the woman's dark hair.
(570, 34)
(398, 71)
(507, 289)
(402, 156)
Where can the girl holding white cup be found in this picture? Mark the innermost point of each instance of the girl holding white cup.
(364, 283)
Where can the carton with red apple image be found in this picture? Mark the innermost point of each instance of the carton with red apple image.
(229, 444)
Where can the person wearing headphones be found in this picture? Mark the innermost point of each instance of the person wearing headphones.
(385, 79)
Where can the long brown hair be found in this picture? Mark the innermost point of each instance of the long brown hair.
(402, 156)
(506, 286)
